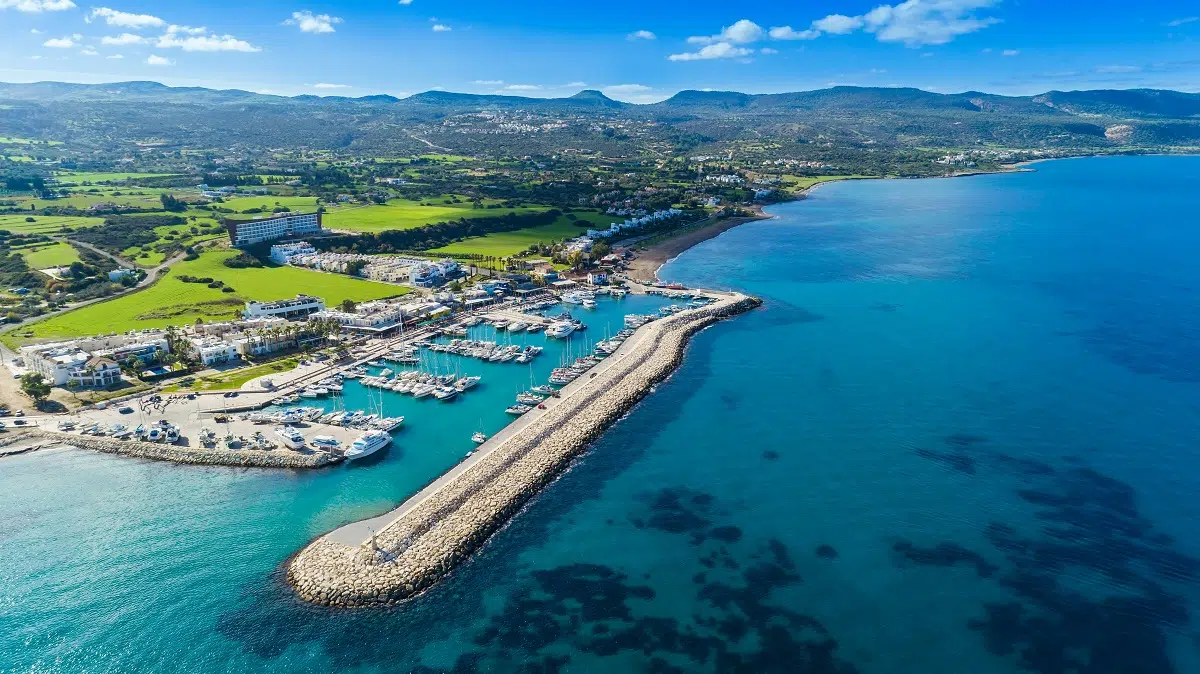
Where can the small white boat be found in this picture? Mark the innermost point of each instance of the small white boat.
(589, 304)
(309, 393)
(291, 437)
(367, 444)
(325, 443)
(518, 409)
(478, 438)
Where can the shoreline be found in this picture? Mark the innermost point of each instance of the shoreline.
(645, 266)
(387, 559)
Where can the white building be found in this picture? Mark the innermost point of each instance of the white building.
(67, 364)
(249, 232)
(213, 350)
(300, 307)
(282, 253)
(117, 275)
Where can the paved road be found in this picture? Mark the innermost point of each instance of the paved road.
(151, 276)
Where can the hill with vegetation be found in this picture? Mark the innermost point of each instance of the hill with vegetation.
(134, 115)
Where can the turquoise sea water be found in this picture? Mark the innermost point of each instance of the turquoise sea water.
(961, 436)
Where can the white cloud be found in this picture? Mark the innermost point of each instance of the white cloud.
(89, 52)
(441, 28)
(123, 39)
(720, 50)
(210, 43)
(641, 35)
(1173, 24)
(114, 57)
(37, 6)
(327, 85)
(490, 83)
(625, 89)
(838, 24)
(1010, 52)
(768, 50)
(65, 42)
(741, 32)
(156, 60)
(575, 85)
(915, 23)
(786, 33)
(406, 2)
(125, 19)
(313, 23)
(923, 22)
(35, 31)
(1115, 70)
(187, 30)
(35, 57)
(523, 87)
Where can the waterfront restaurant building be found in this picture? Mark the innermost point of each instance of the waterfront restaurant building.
(249, 232)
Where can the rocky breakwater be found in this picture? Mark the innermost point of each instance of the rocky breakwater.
(434, 532)
(246, 458)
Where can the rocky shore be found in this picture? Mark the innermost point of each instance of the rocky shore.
(429, 539)
(246, 458)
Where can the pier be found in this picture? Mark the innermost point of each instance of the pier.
(392, 557)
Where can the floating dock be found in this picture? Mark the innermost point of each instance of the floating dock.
(392, 557)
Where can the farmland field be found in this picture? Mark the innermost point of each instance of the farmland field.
(504, 244)
(44, 224)
(82, 177)
(404, 214)
(267, 201)
(173, 302)
(797, 183)
(52, 255)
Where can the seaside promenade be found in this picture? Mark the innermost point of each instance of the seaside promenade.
(394, 556)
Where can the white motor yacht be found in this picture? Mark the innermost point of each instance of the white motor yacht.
(367, 444)
(291, 437)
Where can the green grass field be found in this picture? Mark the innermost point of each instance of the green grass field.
(505, 244)
(44, 224)
(52, 255)
(183, 235)
(6, 140)
(797, 183)
(173, 302)
(404, 214)
(235, 378)
(268, 201)
(71, 177)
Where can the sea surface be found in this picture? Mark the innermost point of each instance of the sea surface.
(962, 435)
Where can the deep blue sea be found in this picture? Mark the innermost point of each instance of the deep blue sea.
(961, 436)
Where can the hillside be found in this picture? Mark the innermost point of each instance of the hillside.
(133, 114)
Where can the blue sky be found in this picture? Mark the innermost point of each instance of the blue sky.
(633, 51)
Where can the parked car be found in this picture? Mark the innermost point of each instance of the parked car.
(126, 410)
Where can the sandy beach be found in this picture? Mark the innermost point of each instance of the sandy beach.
(645, 267)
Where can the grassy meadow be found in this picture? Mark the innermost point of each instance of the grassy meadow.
(405, 214)
(44, 224)
(505, 244)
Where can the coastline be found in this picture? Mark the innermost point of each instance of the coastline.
(645, 266)
(387, 559)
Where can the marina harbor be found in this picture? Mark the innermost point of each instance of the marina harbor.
(497, 364)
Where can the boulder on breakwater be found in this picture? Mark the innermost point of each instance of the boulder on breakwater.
(445, 527)
(204, 456)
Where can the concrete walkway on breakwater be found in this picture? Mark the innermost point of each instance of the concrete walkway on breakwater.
(393, 557)
(355, 533)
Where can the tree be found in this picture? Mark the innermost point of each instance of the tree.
(36, 387)
(600, 249)
(348, 305)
